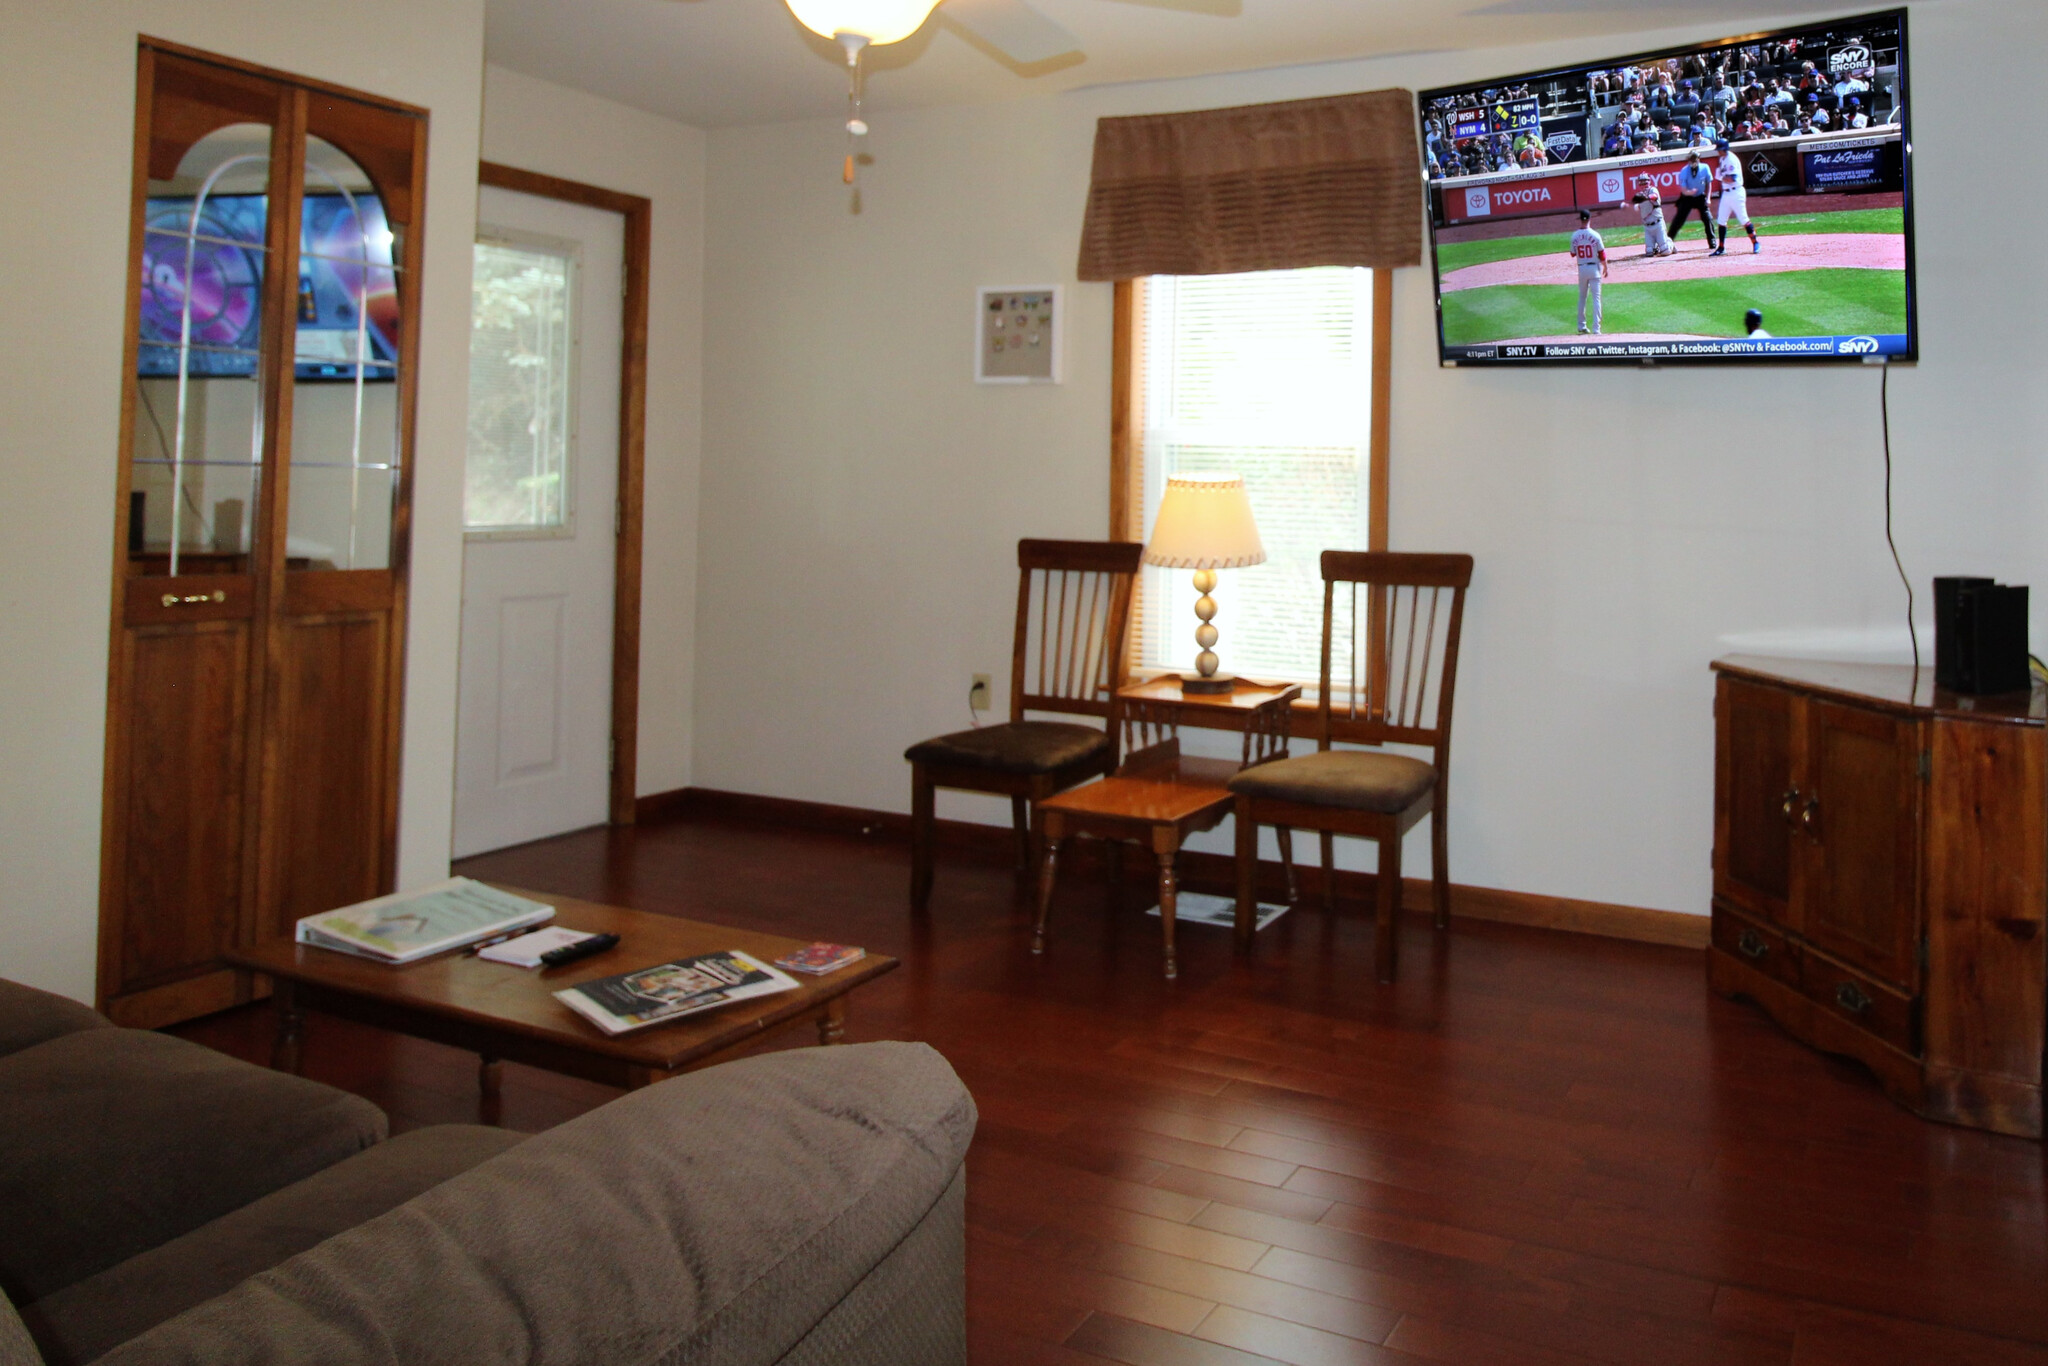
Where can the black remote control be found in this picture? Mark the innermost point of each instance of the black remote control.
(581, 949)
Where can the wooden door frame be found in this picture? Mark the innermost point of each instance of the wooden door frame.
(638, 212)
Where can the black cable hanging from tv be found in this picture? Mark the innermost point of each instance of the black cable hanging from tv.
(1884, 407)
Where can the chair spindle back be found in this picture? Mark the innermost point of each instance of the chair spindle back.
(1395, 620)
(1073, 607)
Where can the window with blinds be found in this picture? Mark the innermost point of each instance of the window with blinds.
(1267, 375)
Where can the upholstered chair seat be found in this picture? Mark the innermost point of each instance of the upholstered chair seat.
(1014, 747)
(1353, 779)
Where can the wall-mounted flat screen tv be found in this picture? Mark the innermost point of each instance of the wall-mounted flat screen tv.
(211, 268)
(1742, 200)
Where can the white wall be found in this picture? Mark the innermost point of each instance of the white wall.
(538, 126)
(67, 82)
(861, 495)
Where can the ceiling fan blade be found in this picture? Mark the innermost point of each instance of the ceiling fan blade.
(1222, 9)
(1012, 28)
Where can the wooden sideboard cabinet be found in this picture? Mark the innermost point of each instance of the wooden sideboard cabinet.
(1881, 876)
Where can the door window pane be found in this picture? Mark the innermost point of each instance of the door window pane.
(521, 388)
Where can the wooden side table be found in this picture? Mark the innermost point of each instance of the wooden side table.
(1160, 796)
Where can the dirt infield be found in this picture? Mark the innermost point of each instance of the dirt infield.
(1806, 251)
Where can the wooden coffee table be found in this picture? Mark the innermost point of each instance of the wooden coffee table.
(500, 1012)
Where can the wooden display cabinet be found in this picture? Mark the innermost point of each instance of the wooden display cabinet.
(1881, 876)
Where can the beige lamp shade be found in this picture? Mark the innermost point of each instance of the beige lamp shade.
(878, 21)
(1205, 522)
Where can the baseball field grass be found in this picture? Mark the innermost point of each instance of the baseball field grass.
(1452, 256)
(1810, 303)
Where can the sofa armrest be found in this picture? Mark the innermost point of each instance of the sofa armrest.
(113, 1141)
(29, 1017)
(712, 1219)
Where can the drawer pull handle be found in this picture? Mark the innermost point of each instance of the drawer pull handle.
(1851, 998)
(1752, 945)
(175, 599)
(1788, 803)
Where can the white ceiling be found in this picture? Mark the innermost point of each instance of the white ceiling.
(718, 63)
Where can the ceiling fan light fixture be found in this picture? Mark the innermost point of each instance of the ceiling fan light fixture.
(878, 21)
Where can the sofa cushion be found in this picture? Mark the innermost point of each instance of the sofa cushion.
(1023, 747)
(28, 1017)
(713, 1218)
(80, 1322)
(1348, 778)
(115, 1140)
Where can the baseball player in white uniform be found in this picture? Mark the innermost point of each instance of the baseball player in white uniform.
(1650, 204)
(1734, 198)
(1591, 255)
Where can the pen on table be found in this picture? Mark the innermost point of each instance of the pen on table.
(474, 949)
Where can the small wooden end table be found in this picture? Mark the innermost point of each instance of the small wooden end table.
(501, 1012)
(1159, 795)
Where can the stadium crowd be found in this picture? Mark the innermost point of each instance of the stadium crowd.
(1763, 90)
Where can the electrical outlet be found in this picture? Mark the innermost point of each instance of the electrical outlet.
(978, 693)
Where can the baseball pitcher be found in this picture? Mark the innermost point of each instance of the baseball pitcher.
(1591, 255)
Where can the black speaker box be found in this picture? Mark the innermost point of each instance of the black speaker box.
(1980, 641)
(1948, 639)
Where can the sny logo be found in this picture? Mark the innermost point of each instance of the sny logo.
(1856, 346)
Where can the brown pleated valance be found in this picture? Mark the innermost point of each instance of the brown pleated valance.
(1326, 182)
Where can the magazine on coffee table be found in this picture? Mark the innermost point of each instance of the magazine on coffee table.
(669, 991)
(411, 925)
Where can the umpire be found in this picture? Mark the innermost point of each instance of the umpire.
(1693, 179)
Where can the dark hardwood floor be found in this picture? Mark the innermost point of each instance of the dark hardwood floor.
(1536, 1148)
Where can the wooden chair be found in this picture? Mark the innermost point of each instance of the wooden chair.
(1157, 796)
(1400, 672)
(1073, 605)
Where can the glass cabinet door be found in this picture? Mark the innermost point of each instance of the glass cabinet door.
(197, 457)
(345, 448)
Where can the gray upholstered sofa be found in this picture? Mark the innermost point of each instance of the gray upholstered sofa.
(163, 1203)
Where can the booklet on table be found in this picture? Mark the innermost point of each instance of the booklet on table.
(667, 991)
(410, 925)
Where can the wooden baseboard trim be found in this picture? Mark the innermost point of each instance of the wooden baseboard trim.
(1199, 871)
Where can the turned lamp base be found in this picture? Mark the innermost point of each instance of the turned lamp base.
(1214, 683)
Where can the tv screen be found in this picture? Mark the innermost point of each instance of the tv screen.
(1742, 200)
(217, 262)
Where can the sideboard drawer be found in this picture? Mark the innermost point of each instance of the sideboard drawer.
(1861, 1000)
(1756, 944)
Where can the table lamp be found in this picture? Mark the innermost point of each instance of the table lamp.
(1205, 524)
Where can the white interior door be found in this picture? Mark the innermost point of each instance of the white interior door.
(533, 728)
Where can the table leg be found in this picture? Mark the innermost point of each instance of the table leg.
(490, 1089)
(1169, 900)
(832, 1024)
(291, 1026)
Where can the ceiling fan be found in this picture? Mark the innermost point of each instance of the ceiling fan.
(1012, 27)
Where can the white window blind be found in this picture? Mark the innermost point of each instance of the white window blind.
(1268, 375)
